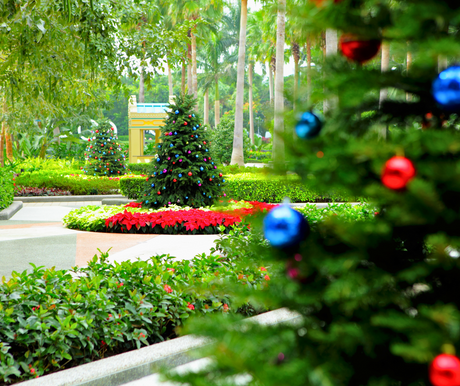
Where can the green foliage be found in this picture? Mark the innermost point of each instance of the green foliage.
(237, 169)
(67, 180)
(256, 187)
(105, 157)
(259, 156)
(6, 187)
(51, 320)
(48, 164)
(132, 187)
(139, 168)
(250, 187)
(184, 171)
(222, 139)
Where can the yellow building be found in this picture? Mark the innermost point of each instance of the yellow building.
(143, 117)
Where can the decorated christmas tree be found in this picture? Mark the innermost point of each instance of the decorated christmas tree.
(378, 299)
(183, 171)
(104, 155)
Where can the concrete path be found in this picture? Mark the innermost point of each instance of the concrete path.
(35, 234)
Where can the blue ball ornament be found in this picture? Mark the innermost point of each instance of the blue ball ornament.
(284, 227)
(171, 145)
(146, 201)
(196, 156)
(177, 155)
(175, 133)
(180, 175)
(158, 160)
(186, 197)
(446, 89)
(153, 185)
(176, 112)
(201, 168)
(309, 126)
(194, 128)
(193, 115)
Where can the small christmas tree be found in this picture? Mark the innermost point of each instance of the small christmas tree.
(104, 156)
(183, 171)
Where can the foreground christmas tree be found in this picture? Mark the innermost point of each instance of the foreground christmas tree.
(379, 299)
(104, 155)
(183, 171)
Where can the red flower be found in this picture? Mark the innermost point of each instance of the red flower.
(32, 370)
(225, 307)
(191, 306)
(263, 268)
(266, 277)
(167, 288)
(170, 270)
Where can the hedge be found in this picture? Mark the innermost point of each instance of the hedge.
(250, 187)
(139, 168)
(75, 184)
(6, 187)
(55, 319)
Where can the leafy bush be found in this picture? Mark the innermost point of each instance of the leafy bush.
(222, 140)
(75, 184)
(6, 187)
(51, 320)
(29, 192)
(237, 169)
(259, 156)
(250, 187)
(48, 164)
(139, 168)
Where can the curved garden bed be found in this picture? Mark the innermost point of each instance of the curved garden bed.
(131, 218)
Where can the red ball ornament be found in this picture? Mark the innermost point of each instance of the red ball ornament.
(185, 123)
(445, 370)
(102, 144)
(189, 173)
(190, 116)
(220, 174)
(158, 192)
(111, 149)
(97, 131)
(174, 180)
(359, 49)
(118, 172)
(210, 179)
(91, 146)
(398, 171)
(89, 139)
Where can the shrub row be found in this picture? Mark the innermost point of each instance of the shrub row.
(250, 187)
(6, 187)
(51, 320)
(138, 168)
(75, 184)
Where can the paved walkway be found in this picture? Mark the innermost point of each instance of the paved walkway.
(36, 235)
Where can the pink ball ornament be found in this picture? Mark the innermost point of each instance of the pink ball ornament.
(199, 184)
(205, 160)
(169, 158)
(174, 121)
(189, 152)
(180, 160)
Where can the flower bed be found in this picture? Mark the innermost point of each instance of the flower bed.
(172, 220)
(51, 320)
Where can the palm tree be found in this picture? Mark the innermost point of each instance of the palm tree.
(331, 49)
(278, 142)
(237, 153)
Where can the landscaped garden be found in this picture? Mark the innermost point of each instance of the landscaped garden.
(366, 120)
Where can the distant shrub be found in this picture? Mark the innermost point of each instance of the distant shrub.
(138, 168)
(6, 187)
(222, 140)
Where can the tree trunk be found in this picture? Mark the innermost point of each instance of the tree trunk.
(194, 75)
(6, 133)
(442, 63)
(206, 108)
(182, 86)
(216, 113)
(56, 133)
(308, 69)
(331, 49)
(216, 105)
(278, 141)
(170, 82)
(270, 81)
(141, 86)
(385, 67)
(237, 153)
(408, 66)
(189, 70)
(296, 56)
(251, 111)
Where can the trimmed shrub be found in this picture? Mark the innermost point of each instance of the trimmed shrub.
(75, 184)
(139, 168)
(222, 140)
(6, 187)
(51, 320)
(251, 187)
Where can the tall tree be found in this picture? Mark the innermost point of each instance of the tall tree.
(237, 153)
(278, 133)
